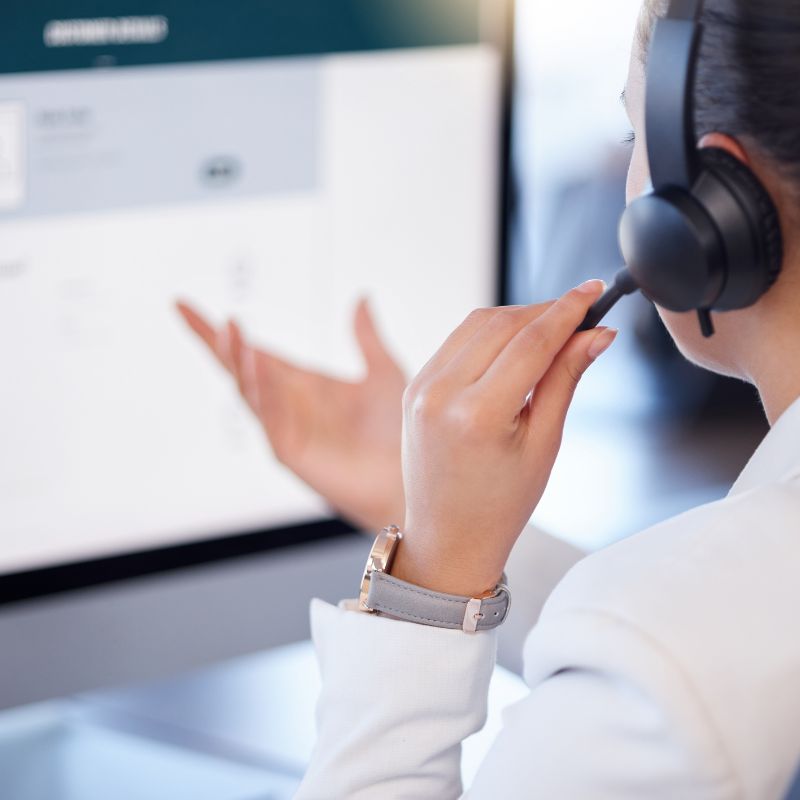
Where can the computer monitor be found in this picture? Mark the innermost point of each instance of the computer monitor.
(271, 160)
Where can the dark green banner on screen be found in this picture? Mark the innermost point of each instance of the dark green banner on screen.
(44, 35)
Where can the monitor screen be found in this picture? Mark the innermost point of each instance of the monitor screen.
(267, 160)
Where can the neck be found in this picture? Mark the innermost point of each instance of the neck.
(773, 367)
(772, 362)
(778, 392)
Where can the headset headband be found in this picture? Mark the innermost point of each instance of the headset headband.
(669, 100)
(701, 242)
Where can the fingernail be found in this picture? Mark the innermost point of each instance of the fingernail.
(591, 287)
(602, 342)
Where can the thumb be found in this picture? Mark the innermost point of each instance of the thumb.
(372, 347)
(554, 393)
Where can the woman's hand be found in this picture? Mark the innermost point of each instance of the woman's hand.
(482, 428)
(341, 438)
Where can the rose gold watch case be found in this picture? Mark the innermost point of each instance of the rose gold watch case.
(379, 560)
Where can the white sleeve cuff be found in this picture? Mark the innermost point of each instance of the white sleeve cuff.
(397, 700)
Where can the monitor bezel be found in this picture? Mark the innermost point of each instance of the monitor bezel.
(41, 582)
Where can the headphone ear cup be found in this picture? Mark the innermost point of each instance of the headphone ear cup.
(749, 278)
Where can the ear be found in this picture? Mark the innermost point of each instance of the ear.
(727, 143)
(786, 203)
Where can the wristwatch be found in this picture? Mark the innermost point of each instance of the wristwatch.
(381, 593)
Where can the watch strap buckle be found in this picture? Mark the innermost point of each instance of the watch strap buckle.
(473, 613)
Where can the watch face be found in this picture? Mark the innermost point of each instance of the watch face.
(379, 560)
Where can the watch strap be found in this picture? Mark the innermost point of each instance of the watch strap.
(389, 595)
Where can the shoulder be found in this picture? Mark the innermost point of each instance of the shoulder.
(740, 554)
(701, 610)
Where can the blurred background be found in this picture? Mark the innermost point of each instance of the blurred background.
(216, 703)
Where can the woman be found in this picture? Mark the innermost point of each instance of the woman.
(669, 664)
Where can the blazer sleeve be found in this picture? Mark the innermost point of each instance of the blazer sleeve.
(608, 715)
(536, 565)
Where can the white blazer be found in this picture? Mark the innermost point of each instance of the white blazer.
(665, 666)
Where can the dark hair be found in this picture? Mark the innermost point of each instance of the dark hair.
(748, 75)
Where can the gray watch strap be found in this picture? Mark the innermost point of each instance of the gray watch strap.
(405, 601)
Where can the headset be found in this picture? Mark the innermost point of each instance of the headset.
(708, 237)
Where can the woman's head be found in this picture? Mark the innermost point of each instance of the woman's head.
(747, 101)
(746, 80)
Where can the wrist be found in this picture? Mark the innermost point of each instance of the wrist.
(443, 597)
(456, 572)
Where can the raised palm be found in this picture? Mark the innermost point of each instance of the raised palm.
(342, 438)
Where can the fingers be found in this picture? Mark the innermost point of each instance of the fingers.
(231, 350)
(252, 392)
(267, 383)
(554, 393)
(527, 357)
(204, 329)
(242, 361)
(218, 340)
(275, 384)
(488, 341)
(459, 339)
(234, 346)
(375, 354)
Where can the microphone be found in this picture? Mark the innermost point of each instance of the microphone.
(623, 285)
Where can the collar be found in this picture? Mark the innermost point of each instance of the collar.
(777, 457)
